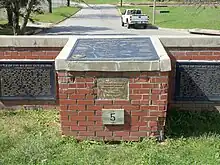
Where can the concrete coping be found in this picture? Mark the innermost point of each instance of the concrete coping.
(33, 41)
(190, 41)
(162, 64)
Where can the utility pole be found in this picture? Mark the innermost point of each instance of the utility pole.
(154, 12)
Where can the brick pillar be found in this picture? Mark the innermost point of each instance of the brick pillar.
(81, 111)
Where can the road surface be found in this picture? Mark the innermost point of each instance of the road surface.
(102, 20)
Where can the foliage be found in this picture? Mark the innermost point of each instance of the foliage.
(33, 137)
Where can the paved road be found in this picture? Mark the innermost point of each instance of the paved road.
(102, 19)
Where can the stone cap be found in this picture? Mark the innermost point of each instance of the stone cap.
(161, 62)
(32, 41)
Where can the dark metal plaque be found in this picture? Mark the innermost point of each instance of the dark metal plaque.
(114, 49)
(112, 88)
(113, 116)
(198, 81)
(31, 80)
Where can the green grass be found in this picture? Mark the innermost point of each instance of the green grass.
(113, 1)
(185, 17)
(33, 137)
(57, 15)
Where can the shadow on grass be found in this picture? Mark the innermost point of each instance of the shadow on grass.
(7, 30)
(192, 124)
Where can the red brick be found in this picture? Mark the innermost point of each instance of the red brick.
(68, 123)
(94, 107)
(86, 123)
(103, 102)
(135, 102)
(94, 118)
(216, 53)
(140, 134)
(69, 133)
(144, 128)
(93, 74)
(84, 91)
(139, 113)
(134, 85)
(65, 101)
(153, 73)
(162, 108)
(77, 107)
(183, 57)
(159, 102)
(148, 118)
(112, 106)
(81, 85)
(155, 97)
(206, 53)
(52, 53)
(160, 80)
(65, 128)
(78, 128)
(134, 120)
(77, 96)
(141, 79)
(144, 107)
(103, 133)
(80, 79)
(78, 118)
(86, 113)
(152, 123)
(94, 128)
(199, 57)
(144, 91)
(63, 107)
(142, 102)
(85, 102)
(158, 114)
(121, 102)
(153, 107)
(63, 96)
(164, 74)
(72, 85)
(150, 86)
(90, 97)
(134, 128)
(135, 97)
(86, 133)
(121, 133)
(146, 97)
(131, 107)
(70, 91)
(89, 79)
(89, 85)
(7, 53)
(61, 75)
(192, 53)
(64, 118)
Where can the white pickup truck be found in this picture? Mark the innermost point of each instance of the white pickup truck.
(133, 17)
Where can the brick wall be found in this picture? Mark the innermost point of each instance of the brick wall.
(47, 53)
(32, 53)
(189, 53)
(145, 111)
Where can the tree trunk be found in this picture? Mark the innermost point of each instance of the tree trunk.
(26, 15)
(68, 3)
(50, 5)
(9, 15)
(15, 7)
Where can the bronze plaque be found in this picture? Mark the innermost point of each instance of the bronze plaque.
(112, 88)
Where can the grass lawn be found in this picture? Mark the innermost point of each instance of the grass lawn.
(33, 137)
(57, 15)
(112, 1)
(185, 17)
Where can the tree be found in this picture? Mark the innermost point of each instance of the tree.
(14, 13)
(68, 3)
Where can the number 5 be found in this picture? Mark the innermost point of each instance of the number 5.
(112, 117)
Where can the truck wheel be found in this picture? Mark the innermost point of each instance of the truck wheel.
(129, 26)
(145, 26)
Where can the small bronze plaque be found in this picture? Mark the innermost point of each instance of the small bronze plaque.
(112, 88)
(113, 116)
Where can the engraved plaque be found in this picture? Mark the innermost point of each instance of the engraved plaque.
(112, 88)
(32, 80)
(197, 81)
(113, 116)
(117, 49)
